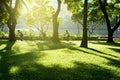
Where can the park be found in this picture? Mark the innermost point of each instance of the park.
(59, 40)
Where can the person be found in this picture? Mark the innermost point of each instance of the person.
(20, 35)
(67, 35)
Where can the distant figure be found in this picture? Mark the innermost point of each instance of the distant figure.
(67, 35)
(20, 35)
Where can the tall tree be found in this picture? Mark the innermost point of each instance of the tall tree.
(12, 10)
(78, 10)
(38, 16)
(106, 7)
(84, 42)
(106, 11)
(56, 22)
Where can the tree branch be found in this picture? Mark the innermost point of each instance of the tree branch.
(8, 8)
(58, 9)
(116, 26)
(103, 8)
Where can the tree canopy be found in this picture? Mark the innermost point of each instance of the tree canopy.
(10, 11)
(38, 15)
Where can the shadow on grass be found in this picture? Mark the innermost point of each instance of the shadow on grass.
(9, 59)
(100, 52)
(49, 45)
(105, 43)
(112, 61)
(103, 53)
(81, 71)
(5, 53)
(28, 69)
(116, 50)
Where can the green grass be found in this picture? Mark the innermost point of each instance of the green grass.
(37, 60)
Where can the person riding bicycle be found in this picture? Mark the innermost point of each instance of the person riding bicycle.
(20, 35)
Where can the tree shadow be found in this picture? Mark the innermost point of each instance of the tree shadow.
(5, 53)
(81, 71)
(25, 67)
(49, 45)
(9, 60)
(103, 53)
(105, 43)
(116, 50)
(112, 61)
(100, 52)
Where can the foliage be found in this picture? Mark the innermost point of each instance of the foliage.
(76, 7)
(2, 34)
(3, 15)
(6, 8)
(112, 11)
(38, 16)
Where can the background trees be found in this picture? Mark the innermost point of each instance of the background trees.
(39, 17)
(99, 12)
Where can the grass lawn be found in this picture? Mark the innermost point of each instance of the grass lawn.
(37, 60)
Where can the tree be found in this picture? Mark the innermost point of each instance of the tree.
(38, 16)
(109, 10)
(106, 11)
(76, 7)
(84, 42)
(56, 22)
(11, 13)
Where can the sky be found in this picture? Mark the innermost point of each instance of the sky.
(88, 0)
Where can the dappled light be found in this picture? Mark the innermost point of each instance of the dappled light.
(28, 60)
(14, 70)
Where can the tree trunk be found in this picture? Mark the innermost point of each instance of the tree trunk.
(12, 34)
(110, 37)
(12, 21)
(84, 42)
(111, 32)
(56, 23)
(11, 25)
(55, 30)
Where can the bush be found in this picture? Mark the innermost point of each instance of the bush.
(2, 34)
